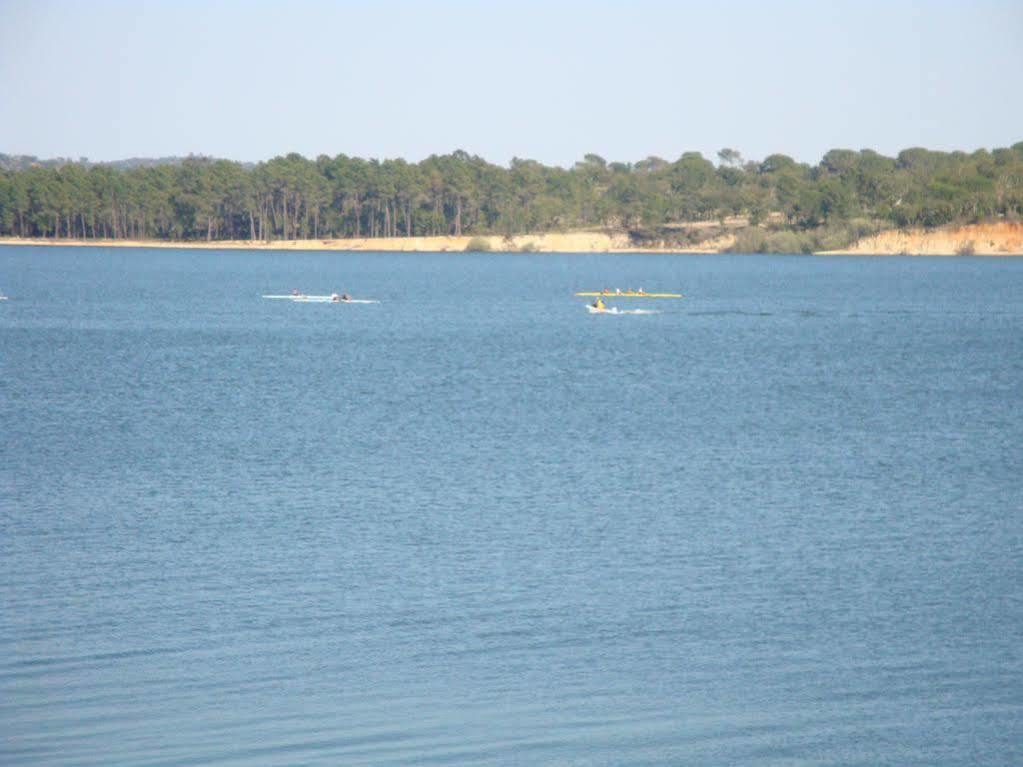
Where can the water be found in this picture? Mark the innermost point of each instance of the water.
(776, 524)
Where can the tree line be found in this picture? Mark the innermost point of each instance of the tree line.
(292, 197)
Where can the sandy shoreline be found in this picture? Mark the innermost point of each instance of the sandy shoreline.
(572, 242)
(1001, 238)
(992, 239)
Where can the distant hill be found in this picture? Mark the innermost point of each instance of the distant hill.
(17, 162)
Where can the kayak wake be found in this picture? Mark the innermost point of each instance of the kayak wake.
(616, 310)
(304, 299)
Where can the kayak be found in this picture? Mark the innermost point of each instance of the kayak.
(630, 294)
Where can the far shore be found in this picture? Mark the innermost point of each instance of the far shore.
(570, 242)
(991, 239)
(999, 238)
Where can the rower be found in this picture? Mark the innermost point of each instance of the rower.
(345, 297)
(335, 297)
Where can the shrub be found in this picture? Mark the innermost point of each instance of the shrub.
(788, 242)
(749, 240)
(478, 245)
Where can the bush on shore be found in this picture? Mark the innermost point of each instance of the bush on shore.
(833, 237)
(478, 245)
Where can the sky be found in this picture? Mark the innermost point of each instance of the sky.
(550, 81)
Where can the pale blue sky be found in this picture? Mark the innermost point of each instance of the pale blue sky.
(546, 80)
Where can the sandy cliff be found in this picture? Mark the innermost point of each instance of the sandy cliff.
(993, 239)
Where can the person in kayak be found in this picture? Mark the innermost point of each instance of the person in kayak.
(598, 304)
(345, 297)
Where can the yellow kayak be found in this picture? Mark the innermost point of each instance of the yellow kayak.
(630, 294)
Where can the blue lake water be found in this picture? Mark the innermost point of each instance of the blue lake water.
(778, 523)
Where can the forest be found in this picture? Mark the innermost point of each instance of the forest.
(846, 195)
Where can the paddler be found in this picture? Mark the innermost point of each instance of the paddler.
(345, 297)
(598, 304)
